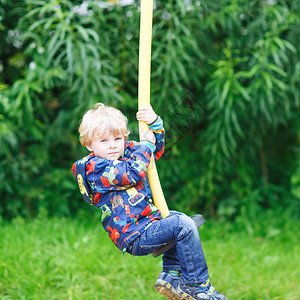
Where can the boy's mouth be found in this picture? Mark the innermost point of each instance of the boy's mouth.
(113, 153)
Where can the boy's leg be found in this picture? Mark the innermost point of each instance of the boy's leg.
(169, 279)
(188, 256)
(188, 252)
(170, 257)
(186, 290)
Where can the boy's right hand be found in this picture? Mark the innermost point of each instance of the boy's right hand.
(147, 136)
(146, 114)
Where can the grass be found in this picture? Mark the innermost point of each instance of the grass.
(52, 258)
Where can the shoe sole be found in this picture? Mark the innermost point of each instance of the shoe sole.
(166, 290)
(183, 295)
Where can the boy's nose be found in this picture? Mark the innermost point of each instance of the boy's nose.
(112, 144)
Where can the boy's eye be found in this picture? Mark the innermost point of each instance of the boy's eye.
(102, 141)
(118, 138)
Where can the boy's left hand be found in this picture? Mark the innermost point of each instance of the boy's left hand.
(146, 114)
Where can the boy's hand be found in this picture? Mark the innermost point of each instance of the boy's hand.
(146, 114)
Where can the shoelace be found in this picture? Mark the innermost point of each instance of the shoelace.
(207, 287)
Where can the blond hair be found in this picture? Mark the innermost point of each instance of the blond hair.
(101, 120)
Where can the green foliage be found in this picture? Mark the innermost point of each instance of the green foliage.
(225, 79)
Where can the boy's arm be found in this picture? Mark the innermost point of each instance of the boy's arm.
(155, 123)
(109, 175)
(159, 132)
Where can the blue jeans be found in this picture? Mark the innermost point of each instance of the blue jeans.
(187, 256)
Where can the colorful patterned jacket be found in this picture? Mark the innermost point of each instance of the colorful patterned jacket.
(120, 188)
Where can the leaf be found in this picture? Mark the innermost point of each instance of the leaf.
(69, 53)
(265, 110)
(242, 90)
(28, 103)
(54, 39)
(223, 144)
(36, 24)
(94, 34)
(93, 50)
(267, 80)
(224, 92)
(277, 70)
(54, 50)
(236, 124)
(85, 63)
(181, 69)
(280, 84)
(83, 32)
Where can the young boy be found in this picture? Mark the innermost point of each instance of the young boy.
(113, 177)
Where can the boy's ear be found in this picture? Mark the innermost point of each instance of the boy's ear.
(89, 148)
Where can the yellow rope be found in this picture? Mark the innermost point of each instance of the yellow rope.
(144, 96)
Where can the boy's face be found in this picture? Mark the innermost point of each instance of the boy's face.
(108, 146)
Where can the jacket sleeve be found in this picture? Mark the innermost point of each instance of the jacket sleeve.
(109, 175)
(159, 132)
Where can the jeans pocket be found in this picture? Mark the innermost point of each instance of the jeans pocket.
(147, 249)
(131, 249)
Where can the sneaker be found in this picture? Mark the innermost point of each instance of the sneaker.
(204, 291)
(166, 284)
